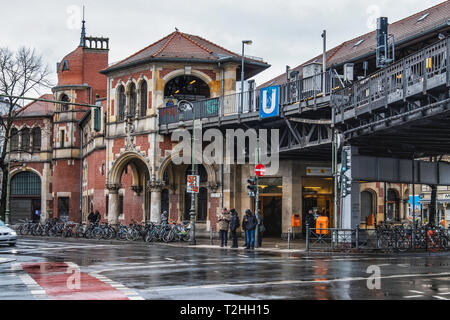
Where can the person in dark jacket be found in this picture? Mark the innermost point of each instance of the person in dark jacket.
(249, 224)
(91, 217)
(234, 225)
(97, 217)
(310, 219)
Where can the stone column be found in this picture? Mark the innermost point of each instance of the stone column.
(155, 200)
(113, 203)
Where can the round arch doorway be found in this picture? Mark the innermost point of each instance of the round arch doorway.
(129, 196)
(186, 87)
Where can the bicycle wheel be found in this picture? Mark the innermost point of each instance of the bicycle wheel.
(132, 235)
(97, 233)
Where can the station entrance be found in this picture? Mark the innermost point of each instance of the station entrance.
(271, 195)
(318, 197)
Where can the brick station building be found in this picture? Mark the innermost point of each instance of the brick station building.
(113, 159)
(70, 160)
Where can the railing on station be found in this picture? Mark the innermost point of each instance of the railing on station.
(214, 107)
(419, 72)
(310, 88)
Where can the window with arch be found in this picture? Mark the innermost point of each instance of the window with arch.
(133, 100)
(14, 139)
(64, 106)
(25, 134)
(36, 139)
(25, 183)
(122, 102)
(144, 102)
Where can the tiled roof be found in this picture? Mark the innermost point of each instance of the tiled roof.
(39, 108)
(402, 30)
(179, 45)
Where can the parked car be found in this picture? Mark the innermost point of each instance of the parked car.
(7, 235)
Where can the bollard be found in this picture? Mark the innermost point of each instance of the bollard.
(307, 237)
(357, 237)
(289, 239)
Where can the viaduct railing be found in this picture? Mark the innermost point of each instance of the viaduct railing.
(412, 76)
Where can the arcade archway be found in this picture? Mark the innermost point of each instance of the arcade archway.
(129, 195)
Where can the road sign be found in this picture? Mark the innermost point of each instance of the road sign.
(260, 170)
(269, 102)
(193, 184)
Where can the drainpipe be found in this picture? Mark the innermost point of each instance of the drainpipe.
(223, 146)
(81, 173)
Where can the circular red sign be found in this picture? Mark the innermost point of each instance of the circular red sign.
(260, 170)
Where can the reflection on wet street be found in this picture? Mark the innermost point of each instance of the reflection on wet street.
(37, 269)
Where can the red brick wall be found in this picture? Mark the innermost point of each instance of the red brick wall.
(132, 203)
(173, 207)
(142, 141)
(66, 178)
(134, 76)
(213, 205)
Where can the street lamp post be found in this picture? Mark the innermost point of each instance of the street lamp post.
(8, 191)
(244, 42)
(184, 105)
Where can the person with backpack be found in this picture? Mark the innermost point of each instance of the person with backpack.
(224, 222)
(234, 225)
(249, 224)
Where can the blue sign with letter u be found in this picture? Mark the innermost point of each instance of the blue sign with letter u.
(269, 102)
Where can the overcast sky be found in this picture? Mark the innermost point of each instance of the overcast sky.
(284, 32)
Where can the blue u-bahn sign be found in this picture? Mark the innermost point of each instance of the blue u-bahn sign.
(269, 106)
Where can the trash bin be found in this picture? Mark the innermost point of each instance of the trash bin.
(322, 223)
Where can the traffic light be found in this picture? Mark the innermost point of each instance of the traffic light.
(346, 186)
(252, 188)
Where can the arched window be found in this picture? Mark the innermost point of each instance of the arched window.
(144, 101)
(367, 205)
(64, 106)
(36, 139)
(393, 204)
(25, 184)
(122, 101)
(25, 133)
(133, 100)
(14, 139)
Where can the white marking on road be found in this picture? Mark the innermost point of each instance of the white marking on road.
(290, 282)
(170, 259)
(414, 291)
(243, 255)
(131, 294)
(411, 297)
(36, 290)
(441, 298)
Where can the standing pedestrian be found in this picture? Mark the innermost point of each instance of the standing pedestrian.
(97, 216)
(91, 217)
(261, 228)
(234, 225)
(249, 224)
(310, 219)
(224, 222)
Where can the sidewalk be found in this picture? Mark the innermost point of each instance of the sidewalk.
(268, 244)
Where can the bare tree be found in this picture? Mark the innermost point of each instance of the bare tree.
(22, 73)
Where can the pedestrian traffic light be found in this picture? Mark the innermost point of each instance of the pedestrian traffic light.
(252, 188)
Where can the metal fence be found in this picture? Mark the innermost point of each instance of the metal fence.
(309, 88)
(237, 103)
(383, 239)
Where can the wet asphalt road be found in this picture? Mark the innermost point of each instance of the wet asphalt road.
(38, 269)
